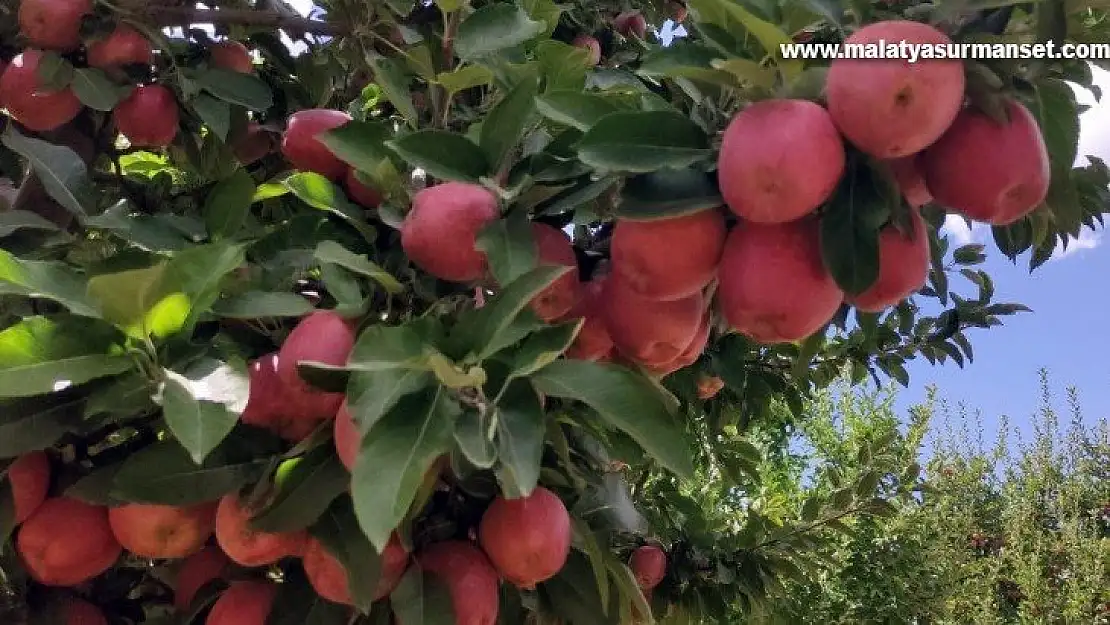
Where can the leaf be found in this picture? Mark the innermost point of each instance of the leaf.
(667, 193)
(642, 142)
(750, 72)
(338, 530)
(233, 87)
(165, 474)
(626, 401)
(360, 144)
(543, 347)
(510, 247)
(394, 81)
(444, 155)
(259, 304)
(504, 125)
(63, 174)
(465, 77)
(545, 11)
(47, 280)
(574, 108)
(95, 90)
(850, 234)
(685, 60)
(769, 36)
(40, 355)
(215, 114)
(332, 252)
(472, 434)
(493, 28)
(228, 204)
(486, 328)
(562, 66)
(304, 491)
(520, 433)
(370, 395)
(625, 580)
(421, 599)
(592, 548)
(202, 406)
(322, 194)
(395, 454)
(1058, 117)
(269, 190)
(33, 423)
(12, 221)
(382, 347)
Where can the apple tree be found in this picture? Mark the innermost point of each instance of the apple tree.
(483, 312)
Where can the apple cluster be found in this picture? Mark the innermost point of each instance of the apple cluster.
(148, 116)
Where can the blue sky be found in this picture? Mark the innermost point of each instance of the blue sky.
(1064, 333)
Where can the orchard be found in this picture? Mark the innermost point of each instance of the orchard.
(464, 312)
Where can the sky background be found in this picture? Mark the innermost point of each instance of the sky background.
(1065, 333)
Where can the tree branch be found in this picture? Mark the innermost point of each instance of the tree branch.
(183, 16)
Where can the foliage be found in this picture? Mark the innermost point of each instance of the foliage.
(144, 284)
(1013, 532)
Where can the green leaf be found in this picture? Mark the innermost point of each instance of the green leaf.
(685, 60)
(510, 247)
(47, 280)
(392, 77)
(360, 144)
(54, 71)
(625, 580)
(850, 233)
(643, 142)
(668, 193)
(382, 347)
(269, 190)
(228, 204)
(444, 155)
(216, 114)
(95, 90)
(395, 454)
(41, 355)
(520, 432)
(504, 125)
(486, 328)
(338, 530)
(304, 491)
(322, 194)
(165, 474)
(422, 599)
(332, 252)
(149, 232)
(370, 395)
(574, 108)
(749, 72)
(545, 11)
(32, 423)
(1058, 117)
(259, 304)
(543, 347)
(593, 550)
(465, 77)
(235, 88)
(769, 36)
(493, 28)
(472, 434)
(12, 221)
(63, 174)
(562, 65)
(202, 405)
(626, 401)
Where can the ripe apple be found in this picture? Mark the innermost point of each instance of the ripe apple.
(987, 171)
(29, 102)
(779, 160)
(667, 259)
(891, 108)
(53, 24)
(440, 232)
(631, 23)
(231, 55)
(124, 46)
(304, 151)
(149, 117)
(591, 45)
(527, 539)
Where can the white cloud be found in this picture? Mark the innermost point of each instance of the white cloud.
(960, 233)
(1087, 240)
